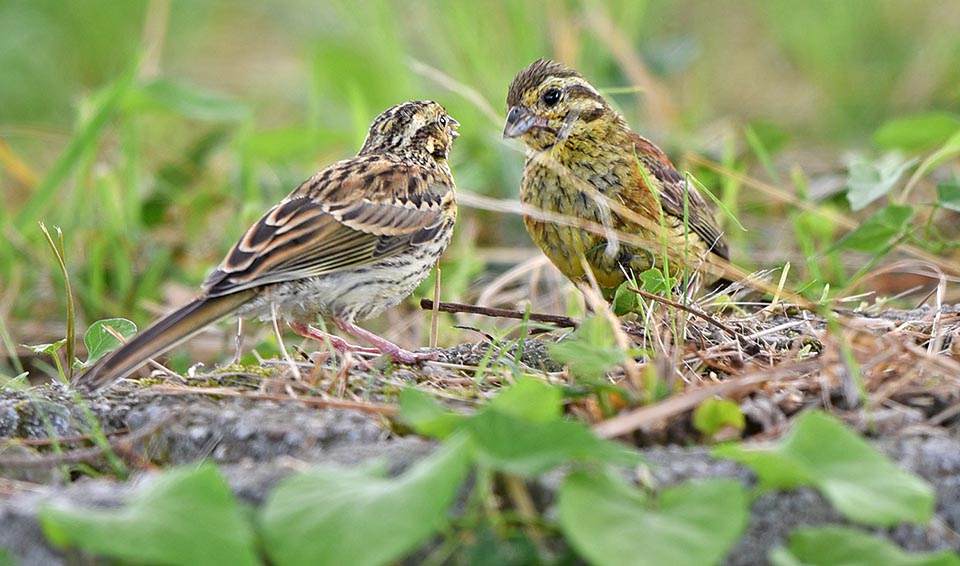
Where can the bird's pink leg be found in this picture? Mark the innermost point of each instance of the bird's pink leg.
(383, 345)
(339, 344)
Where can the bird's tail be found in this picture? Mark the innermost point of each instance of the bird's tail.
(160, 337)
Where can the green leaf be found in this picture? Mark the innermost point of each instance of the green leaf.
(46, 348)
(860, 482)
(948, 196)
(100, 342)
(16, 383)
(187, 101)
(869, 180)
(608, 522)
(515, 445)
(591, 351)
(530, 399)
(5, 558)
(831, 545)
(426, 416)
(949, 150)
(876, 232)
(624, 300)
(714, 414)
(333, 516)
(185, 516)
(780, 556)
(655, 281)
(917, 133)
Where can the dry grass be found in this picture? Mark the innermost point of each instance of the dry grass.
(886, 372)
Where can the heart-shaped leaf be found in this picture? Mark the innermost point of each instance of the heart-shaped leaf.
(426, 416)
(876, 232)
(831, 545)
(100, 341)
(184, 516)
(859, 481)
(336, 516)
(869, 180)
(510, 444)
(611, 523)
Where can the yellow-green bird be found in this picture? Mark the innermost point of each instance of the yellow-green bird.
(348, 243)
(625, 206)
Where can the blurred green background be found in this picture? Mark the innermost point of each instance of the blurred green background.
(153, 132)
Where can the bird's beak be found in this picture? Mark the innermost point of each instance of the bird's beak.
(519, 121)
(453, 125)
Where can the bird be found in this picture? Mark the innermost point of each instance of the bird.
(596, 195)
(348, 243)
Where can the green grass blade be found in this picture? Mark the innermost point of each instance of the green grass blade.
(86, 137)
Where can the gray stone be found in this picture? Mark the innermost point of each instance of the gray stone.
(257, 443)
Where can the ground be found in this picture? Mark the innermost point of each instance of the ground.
(260, 429)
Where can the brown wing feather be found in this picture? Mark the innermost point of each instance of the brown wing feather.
(673, 187)
(335, 221)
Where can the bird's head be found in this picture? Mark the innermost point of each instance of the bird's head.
(418, 130)
(548, 102)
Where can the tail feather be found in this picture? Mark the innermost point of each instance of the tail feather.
(161, 336)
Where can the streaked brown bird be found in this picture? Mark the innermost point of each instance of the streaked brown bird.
(626, 207)
(348, 243)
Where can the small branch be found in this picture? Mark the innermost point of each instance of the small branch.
(685, 308)
(561, 321)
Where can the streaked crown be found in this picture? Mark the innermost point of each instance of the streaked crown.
(418, 130)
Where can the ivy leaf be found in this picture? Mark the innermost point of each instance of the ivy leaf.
(334, 516)
(917, 133)
(822, 453)
(609, 522)
(949, 150)
(100, 341)
(875, 234)
(655, 281)
(184, 516)
(531, 400)
(511, 444)
(830, 545)
(714, 414)
(591, 351)
(425, 415)
(624, 300)
(869, 180)
(948, 196)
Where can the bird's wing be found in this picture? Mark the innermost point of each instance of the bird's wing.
(344, 217)
(674, 189)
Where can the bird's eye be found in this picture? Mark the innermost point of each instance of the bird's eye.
(551, 96)
(442, 121)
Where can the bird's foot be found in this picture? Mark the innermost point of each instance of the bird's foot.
(384, 346)
(338, 344)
